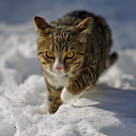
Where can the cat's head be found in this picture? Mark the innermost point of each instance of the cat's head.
(61, 50)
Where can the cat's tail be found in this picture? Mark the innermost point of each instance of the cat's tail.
(113, 58)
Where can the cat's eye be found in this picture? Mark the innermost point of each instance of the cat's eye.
(70, 55)
(50, 54)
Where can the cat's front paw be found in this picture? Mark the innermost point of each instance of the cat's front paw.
(67, 97)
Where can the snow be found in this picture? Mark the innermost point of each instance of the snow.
(108, 110)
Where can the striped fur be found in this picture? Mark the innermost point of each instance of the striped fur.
(90, 40)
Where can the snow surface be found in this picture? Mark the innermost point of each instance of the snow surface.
(109, 110)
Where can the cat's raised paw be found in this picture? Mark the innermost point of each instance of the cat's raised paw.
(67, 97)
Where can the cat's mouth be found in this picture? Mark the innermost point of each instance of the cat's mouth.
(59, 74)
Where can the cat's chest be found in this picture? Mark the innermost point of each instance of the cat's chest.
(57, 81)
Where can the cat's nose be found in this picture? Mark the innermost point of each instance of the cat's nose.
(58, 67)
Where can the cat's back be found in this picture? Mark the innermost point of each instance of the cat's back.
(75, 17)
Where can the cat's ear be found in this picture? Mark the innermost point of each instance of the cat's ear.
(85, 24)
(41, 24)
(84, 28)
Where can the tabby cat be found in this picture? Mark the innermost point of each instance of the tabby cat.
(73, 52)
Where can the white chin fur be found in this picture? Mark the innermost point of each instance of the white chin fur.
(59, 74)
(57, 81)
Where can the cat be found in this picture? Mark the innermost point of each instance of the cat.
(73, 52)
